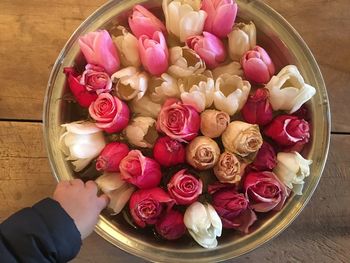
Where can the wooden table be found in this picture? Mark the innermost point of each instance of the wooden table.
(31, 36)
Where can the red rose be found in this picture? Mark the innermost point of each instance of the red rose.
(265, 191)
(233, 209)
(184, 188)
(171, 226)
(265, 160)
(95, 79)
(288, 130)
(146, 205)
(139, 170)
(169, 152)
(178, 121)
(110, 113)
(111, 156)
(258, 109)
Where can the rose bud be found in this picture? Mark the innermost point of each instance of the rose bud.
(213, 123)
(242, 138)
(265, 191)
(184, 188)
(233, 209)
(99, 49)
(143, 22)
(221, 16)
(202, 153)
(169, 152)
(139, 170)
(111, 156)
(96, 79)
(154, 53)
(292, 169)
(142, 132)
(265, 160)
(257, 109)
(288, 130)
(79, 91)
(146, 205)
(171, 226)
(209, 48)
(229, 169)
(179, 121)
(110, 113)
(257, 65)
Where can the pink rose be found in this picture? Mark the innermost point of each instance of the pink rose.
(171, 226)
(257, 65)
(139, 170)
(233, 209)
(184, 188)
(98, 49)
(209, 48)
(257, 109)
(265, 159)
(221, 15)
(154, 53)
(169, 152)
(95, 79)
(111, 156)
(288, 130)
(178, 121)
(143, 22)
(147, 205)
(110, 113)
(265, 191)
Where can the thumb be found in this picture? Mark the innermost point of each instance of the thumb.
(102, 201)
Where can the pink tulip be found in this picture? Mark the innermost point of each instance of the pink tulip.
(98, 49)
(257, 65)
(140, 171)
(111, 156)
(154, 53)
(209, 47)
(171, 226)
(221, 16)
(143, 22)
(169, 152)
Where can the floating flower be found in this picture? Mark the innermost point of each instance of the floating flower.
(229, 169)
(110, 157)
(203, 224)
(143, 22)
(241, 39)
(292, 169)
(202, 153)
(145, 107)
(231, 93)
(221, 16)
(265, 160)
(116, 189)
(127, 45)
(171, 226)
(169, 152)
(95, 79)
(233, 68)
(142, 132)
(184, 62)
(99, 49)
(208, 47)
(257, 65)
(183, 18)
(163, 88)
(82, 141)
(288, 90)
(110, 113)
(213, 123)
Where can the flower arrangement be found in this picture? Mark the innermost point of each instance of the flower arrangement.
(189, 127)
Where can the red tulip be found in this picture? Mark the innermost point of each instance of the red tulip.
(169, 152)
(171, 226)
(111, 156)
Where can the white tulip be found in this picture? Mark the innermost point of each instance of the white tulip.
(164, 87)
(184, 62)
(241, 39)
(231, 93)
(292, 169)
(140, 128)
(82, 141)
(203, 224)
(127, 45)
(131, 83)
(288, 91)
(234, 68)
(145, 107)
(116, 189)
(183, 18)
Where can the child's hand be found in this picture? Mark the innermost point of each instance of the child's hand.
(81, 202)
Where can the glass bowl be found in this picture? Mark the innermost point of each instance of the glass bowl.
(285, 47)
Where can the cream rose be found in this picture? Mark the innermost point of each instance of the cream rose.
(213, 123)
(229, 169)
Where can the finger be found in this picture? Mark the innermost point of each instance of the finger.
(91, 185)
(102, 201)
(65, 183)
(77, 182)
